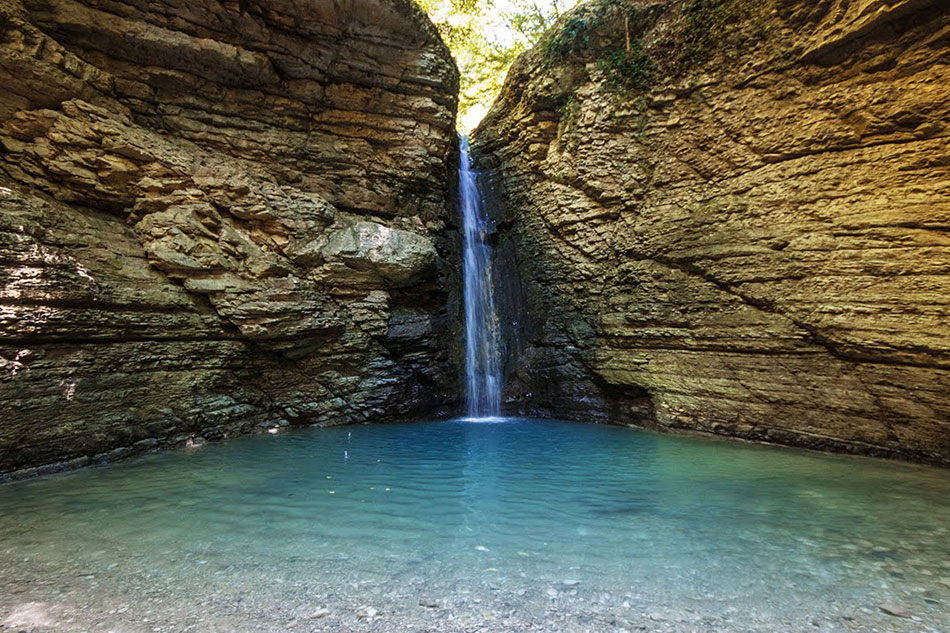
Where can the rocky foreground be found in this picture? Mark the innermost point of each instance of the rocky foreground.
(732, 217)
(219, 216)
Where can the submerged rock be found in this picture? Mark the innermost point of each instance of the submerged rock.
(366, 613)
(894, 610)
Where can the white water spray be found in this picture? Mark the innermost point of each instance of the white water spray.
(482, 367)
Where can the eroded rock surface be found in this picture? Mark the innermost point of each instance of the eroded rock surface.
(739, 228)
(218, 216)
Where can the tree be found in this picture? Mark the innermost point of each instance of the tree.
(485, 37)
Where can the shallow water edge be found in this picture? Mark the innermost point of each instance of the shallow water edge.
(146, 446)
(793, 442)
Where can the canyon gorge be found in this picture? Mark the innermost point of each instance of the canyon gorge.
(724, 216)
(549, 375)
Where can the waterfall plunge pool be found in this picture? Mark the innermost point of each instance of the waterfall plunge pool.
(522, 525)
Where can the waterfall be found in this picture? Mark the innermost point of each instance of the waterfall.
(482, 367)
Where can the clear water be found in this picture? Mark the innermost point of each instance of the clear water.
(459, 526)
(482, 370)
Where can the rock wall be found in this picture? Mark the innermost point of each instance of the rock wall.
(217, 217)
(740, 227)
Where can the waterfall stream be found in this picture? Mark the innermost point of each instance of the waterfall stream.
(482, 366)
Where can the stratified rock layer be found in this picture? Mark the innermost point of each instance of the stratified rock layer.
(752, 241)
(219, 216)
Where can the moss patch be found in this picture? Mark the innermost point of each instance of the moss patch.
(705, 23)
(573, 37)
(626, 70)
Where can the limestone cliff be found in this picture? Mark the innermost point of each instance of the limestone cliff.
(217, 216)
(733, 217)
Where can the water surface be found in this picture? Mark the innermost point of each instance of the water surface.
(456, 526)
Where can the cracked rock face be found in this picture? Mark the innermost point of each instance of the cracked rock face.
(754, 241)
(218, 216)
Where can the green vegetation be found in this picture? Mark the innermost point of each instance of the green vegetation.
(705, 22)
(610, 35)
(626, 65)
(626, 70)
(569, 110)
(485, 37)
(643, 116)
(573, 37)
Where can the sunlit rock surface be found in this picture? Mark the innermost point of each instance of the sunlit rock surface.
(203, 214)
(751, 244)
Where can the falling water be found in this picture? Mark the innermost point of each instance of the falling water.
(482, 373)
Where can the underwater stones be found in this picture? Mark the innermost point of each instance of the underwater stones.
(896, 611)
(366, 613)
(753, 245)
(169, 181)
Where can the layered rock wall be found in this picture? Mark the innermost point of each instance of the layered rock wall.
(219, 215)
(741, 226)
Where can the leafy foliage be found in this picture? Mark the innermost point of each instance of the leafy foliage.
(626, 70)
(575, 36)
(485, 37)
